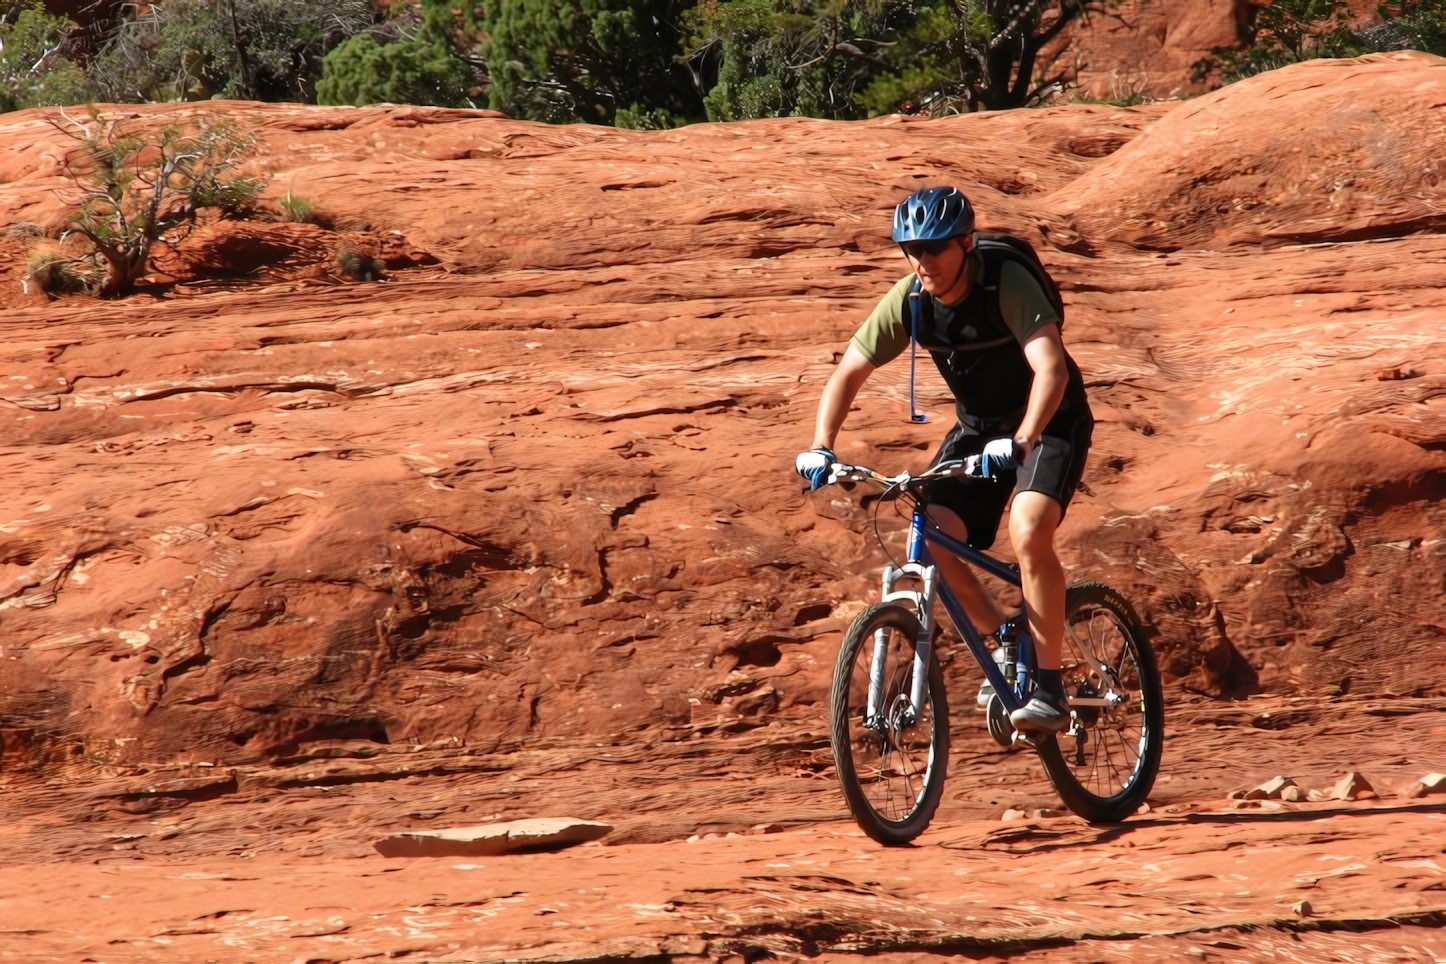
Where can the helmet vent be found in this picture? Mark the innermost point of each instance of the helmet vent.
(932, 214)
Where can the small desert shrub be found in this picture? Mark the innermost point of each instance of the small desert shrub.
(54, 271)
(359, 266)
(297, 209)
(136, 186)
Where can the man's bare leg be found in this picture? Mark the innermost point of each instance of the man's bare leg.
(1032, 524)
(1033, 520)
(978, 602)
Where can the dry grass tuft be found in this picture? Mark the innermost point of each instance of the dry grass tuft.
(297, 209)
(54, 271)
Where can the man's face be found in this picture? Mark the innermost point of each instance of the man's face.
(939, 264)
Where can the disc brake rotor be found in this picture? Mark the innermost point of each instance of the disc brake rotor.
(900, 718)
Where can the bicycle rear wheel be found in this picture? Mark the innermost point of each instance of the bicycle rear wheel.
(1104, 766)
(891, 763)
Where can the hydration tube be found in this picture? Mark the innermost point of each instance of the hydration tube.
(914, 414)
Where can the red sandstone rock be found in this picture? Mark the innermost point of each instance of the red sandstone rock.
(493, 839)
(1303, 154)
(1150, 47)
(1155, 48)
(542, 489)
(516, 534)
(1431, 783)
(1272, 789)
(1353, 786)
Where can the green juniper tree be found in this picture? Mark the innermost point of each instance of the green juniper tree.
(1290, 31)
(35, 65)
(418, 63)
(600, 61)
(851, 58)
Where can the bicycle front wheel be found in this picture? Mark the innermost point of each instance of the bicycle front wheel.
(1104, 766)
(890, 755)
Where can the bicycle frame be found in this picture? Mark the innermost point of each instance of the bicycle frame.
(920, 567)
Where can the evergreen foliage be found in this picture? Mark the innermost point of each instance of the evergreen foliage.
(855, 58)
(423, 69)
(645, 64)
(1409, 25)
(136, 187)
(34, 69)
(1290, 31)
(599, 61)
(245, 49)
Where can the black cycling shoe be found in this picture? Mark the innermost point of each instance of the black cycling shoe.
(1040, 715)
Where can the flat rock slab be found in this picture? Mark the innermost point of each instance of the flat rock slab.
(490, 839)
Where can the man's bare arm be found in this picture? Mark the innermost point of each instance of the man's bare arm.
(843, 385)
(1045, 353)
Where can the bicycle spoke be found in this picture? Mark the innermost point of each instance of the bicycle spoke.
(1112, 752)
(893, 761)
(1124, 753)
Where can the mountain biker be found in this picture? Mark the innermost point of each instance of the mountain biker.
(994, 335)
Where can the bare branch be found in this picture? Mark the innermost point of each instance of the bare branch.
(849, 50)
(1011, 28)
(809, 63)
(1058, 80)
(1063, 20)
(84, 132)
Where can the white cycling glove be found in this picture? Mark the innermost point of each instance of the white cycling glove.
(1001, 455)
(814, 465)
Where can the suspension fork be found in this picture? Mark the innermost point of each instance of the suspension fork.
(920, 568)
(923, 646)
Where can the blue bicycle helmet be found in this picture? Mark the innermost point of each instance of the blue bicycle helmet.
(933, 214)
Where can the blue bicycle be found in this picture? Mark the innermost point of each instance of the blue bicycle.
(890, 716)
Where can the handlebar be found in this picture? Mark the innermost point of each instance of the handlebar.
(971, 466)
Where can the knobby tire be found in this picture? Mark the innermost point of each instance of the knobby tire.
(1098, 808)
(844, 706)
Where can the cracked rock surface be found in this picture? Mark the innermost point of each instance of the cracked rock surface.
(277, 866)
(286, 556)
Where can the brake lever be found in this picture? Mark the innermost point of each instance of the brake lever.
(970, 466)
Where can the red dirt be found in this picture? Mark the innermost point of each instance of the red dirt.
(292, 562)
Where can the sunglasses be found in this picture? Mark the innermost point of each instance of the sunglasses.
(918, 249)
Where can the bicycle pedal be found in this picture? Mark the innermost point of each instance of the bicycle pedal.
(1024, 739)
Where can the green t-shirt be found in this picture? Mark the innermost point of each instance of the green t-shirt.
(1022, 303)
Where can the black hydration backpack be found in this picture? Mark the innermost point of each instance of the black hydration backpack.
(996, 250)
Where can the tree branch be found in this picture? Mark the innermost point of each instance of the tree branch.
(1063, 20)
(1058, 80)
(1030, 9)
(849, 50)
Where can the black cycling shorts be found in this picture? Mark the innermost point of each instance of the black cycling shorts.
(1054, 467)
